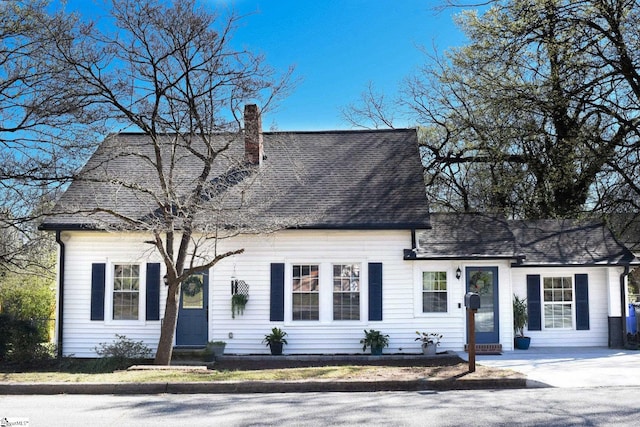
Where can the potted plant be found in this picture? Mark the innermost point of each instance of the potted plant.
(429, 342)
(375, 340)
(275, 340)
(238, 302)
(214, 350)
(520, 318)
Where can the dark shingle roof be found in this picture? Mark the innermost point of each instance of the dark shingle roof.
(568, 242)
(626, 226)
(333, 179)
(527, 243)
(465, 236)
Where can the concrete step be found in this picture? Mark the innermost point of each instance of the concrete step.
(188, 356)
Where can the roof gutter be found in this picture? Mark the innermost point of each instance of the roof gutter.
(60, 316)
(411, 255)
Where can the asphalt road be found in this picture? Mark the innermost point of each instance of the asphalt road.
(603, 406)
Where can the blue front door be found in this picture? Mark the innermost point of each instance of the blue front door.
(192, 327)
(484, 281)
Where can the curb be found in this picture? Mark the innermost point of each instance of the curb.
(258, 387)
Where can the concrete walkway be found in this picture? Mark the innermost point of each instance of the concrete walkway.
(569, 367)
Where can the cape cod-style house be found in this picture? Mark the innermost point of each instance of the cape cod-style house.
(357, 249)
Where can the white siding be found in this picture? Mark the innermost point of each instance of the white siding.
(402, 281)
(325, 335)
(601, 281)
(82, 335)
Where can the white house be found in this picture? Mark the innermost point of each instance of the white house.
(358, 250)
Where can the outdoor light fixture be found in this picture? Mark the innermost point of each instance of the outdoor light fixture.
(458, 273)
(165, 279)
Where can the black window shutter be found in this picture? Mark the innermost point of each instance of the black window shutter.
(534, 304)
(153, 291)
(582, 302)
(97, 291)
(375, 291)
(277, 293)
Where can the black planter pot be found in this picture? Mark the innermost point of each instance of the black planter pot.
(276, 348)
(522, 343)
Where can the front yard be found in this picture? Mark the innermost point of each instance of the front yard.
(445, 368)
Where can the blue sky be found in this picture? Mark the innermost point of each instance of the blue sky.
(338, 47)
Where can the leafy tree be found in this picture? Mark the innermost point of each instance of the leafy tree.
(27, 304)
(28, 297)
(169, 70)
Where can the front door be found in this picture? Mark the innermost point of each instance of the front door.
(484, 281)
(192, 327)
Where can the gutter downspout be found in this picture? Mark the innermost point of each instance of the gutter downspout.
(623, 302)
(60, 292)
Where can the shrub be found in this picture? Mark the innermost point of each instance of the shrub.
(28, 304)
(22, 341)
(121, 353)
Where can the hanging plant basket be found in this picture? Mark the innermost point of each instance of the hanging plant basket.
(238, 303)
(239, 297)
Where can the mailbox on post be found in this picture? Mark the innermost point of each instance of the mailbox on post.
(472, 300)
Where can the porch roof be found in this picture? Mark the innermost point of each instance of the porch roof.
(555, 242)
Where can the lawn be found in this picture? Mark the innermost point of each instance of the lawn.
(458, 371)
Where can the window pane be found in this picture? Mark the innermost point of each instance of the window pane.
(346, 291)
(434, 291)
(305, 288)
(558, 302)
(346, 306)
(305, 307)
(557, 295)
(337, 270)
(435, 302)
(126, 297)
(125, 306)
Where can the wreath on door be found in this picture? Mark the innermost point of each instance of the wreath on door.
(192, 286)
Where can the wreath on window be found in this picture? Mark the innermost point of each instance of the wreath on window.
(192, 286)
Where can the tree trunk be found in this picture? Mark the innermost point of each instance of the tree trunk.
(168, 329)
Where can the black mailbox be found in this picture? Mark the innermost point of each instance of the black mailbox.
(472, 300)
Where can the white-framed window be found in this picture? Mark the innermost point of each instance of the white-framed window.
(305, 292)
(434, 292)
(346, 291)
(126, 292)
(557, 295)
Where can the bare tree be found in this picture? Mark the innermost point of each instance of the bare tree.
(371, 112)
(39, 140)
(171, 72)
(538, 115)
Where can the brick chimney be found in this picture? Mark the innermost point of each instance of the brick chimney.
(253, 149)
